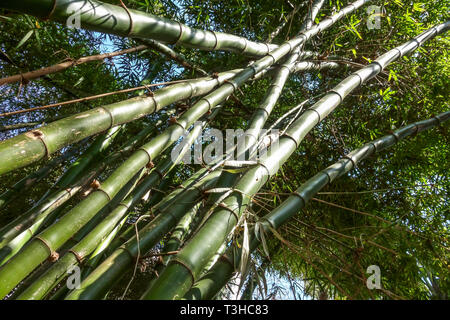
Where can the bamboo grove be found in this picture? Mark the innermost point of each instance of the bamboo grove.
(103, 192)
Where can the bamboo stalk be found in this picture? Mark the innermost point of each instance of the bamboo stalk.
(168, 215)
(193, 257)
(154, 178)
(113, 19)
(172, 54)
(36, 144)
(208, 286)
(61, 191)
(27, 76)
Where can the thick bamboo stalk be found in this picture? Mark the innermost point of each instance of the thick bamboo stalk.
(36, 144)
(208, 286)
(60, 192)
(186, 266)
(312, 13)
(168, 215)
(31, 179)
(85, 247)
(113, 19)
(27, 76)
(88, 244)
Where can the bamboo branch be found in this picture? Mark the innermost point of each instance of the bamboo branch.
(121, 21)
(24, 78)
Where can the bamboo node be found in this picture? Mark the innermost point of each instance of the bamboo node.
(397, 138)
(438, 120)
(53, 257)
(181, 33)
(95, 184)
(150, 165)
(217, 41)
(183, 264)
(235, 87)
(224, 206)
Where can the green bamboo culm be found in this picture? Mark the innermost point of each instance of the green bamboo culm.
(185, 267)
(135, 24)
(88, 244)
(63, 189)
(211, 283)
(83, 212)
(36, 144)
(57, 234)
(168, 213)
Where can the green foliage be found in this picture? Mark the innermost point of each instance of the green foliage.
(401, 200)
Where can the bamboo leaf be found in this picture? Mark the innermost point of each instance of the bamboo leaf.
(24, 39)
